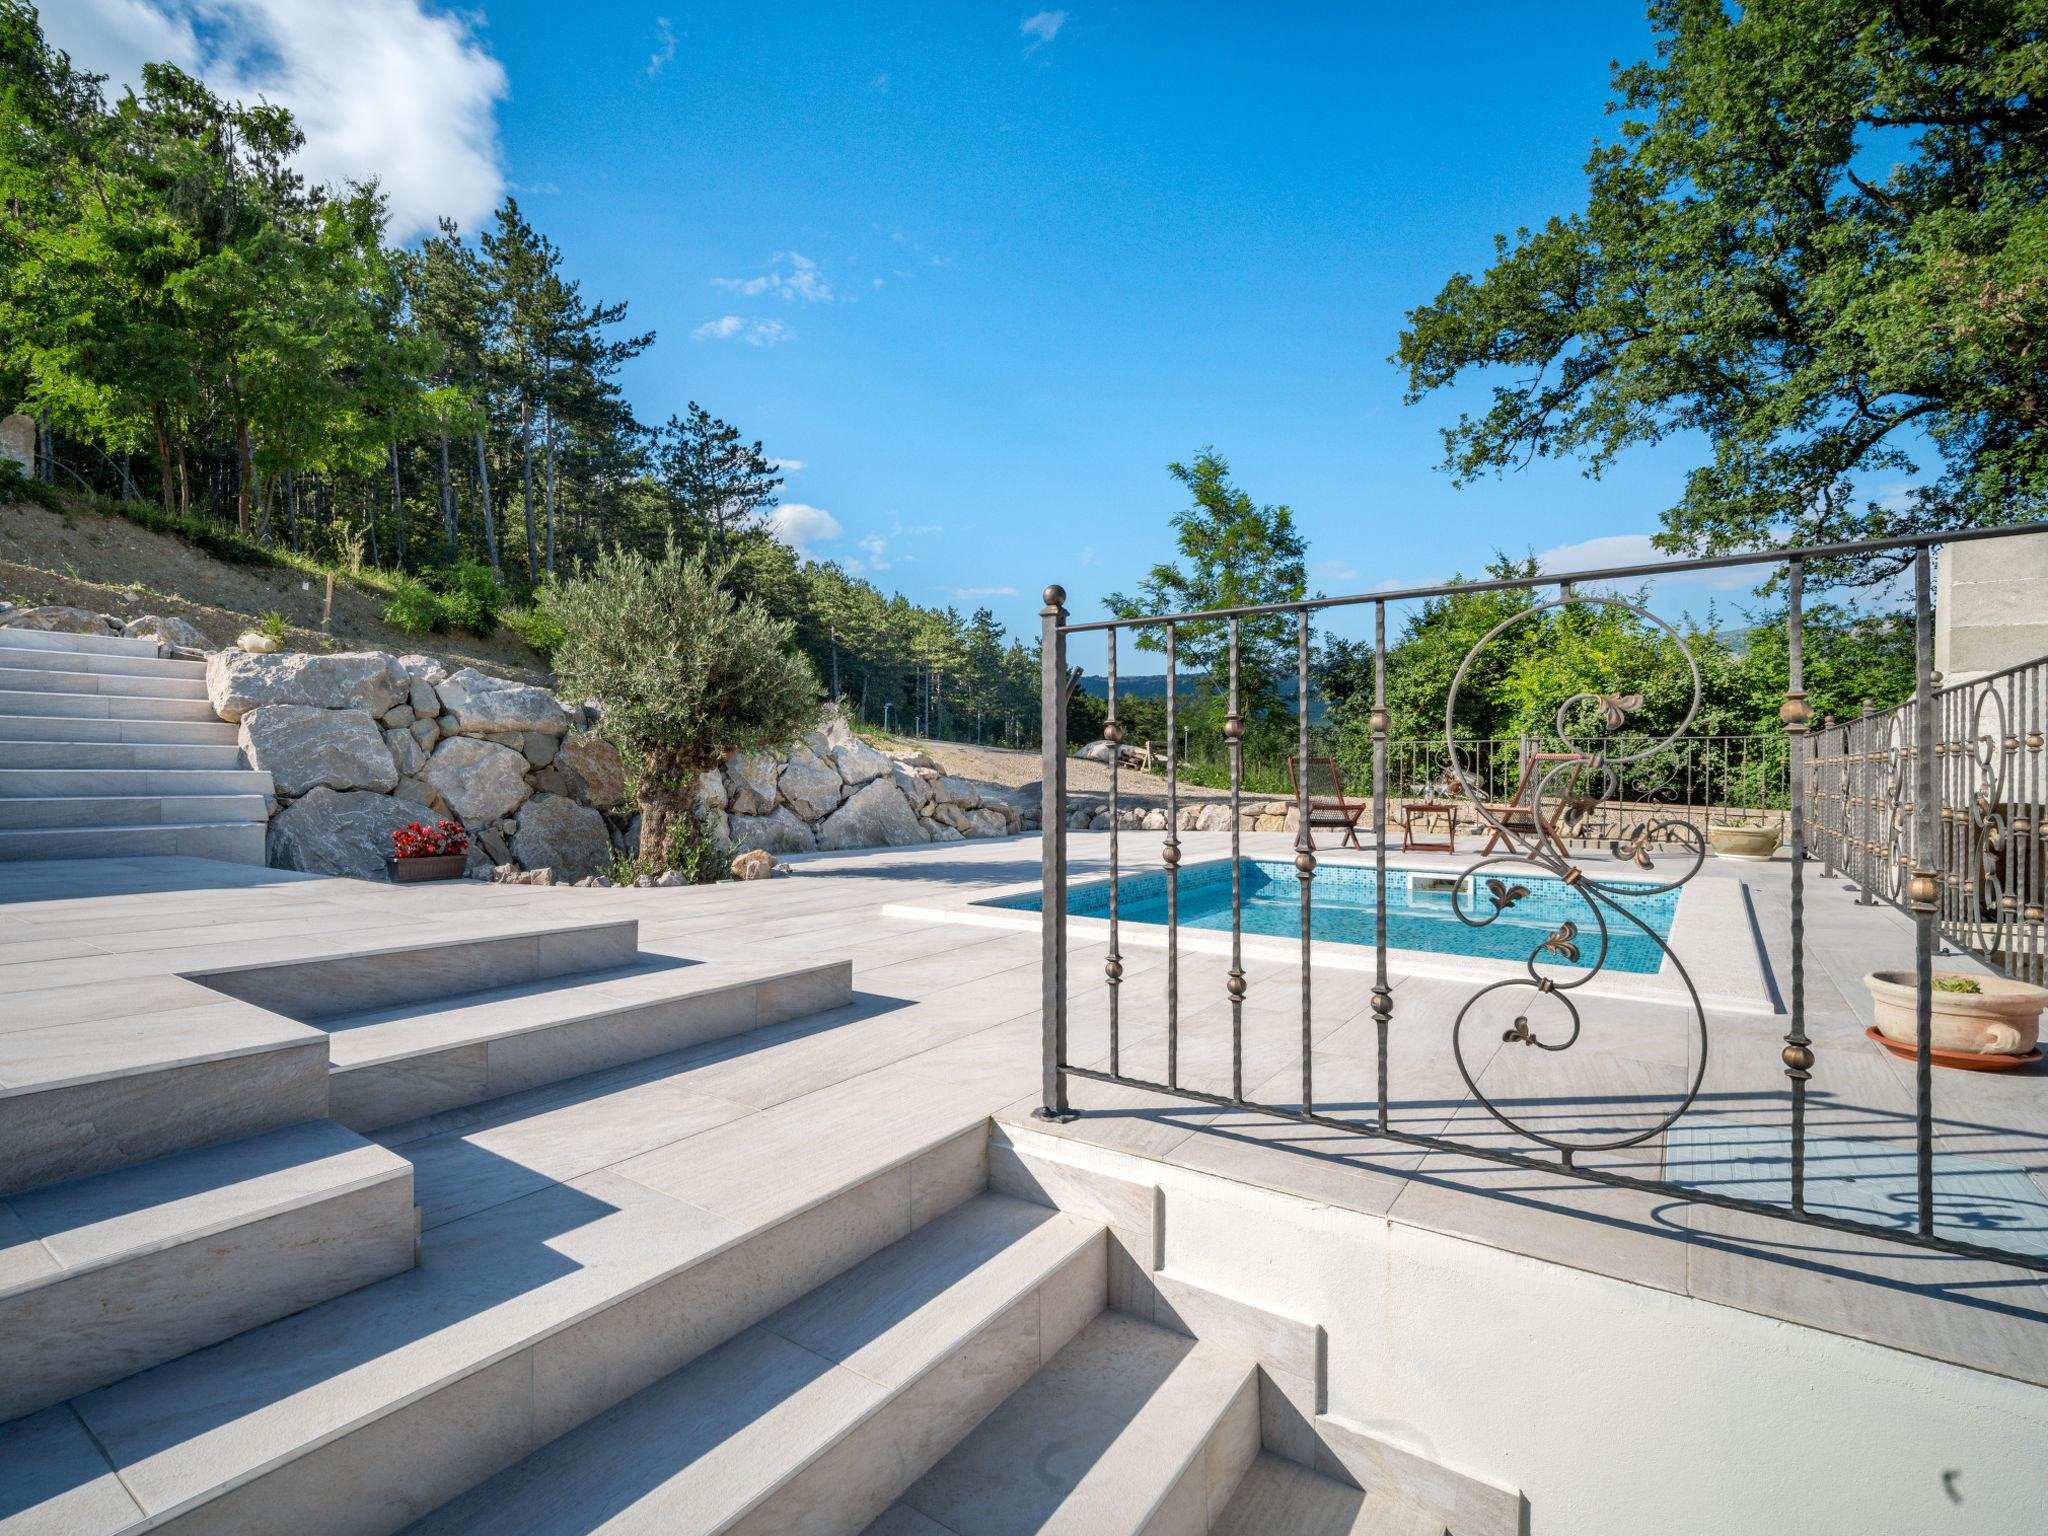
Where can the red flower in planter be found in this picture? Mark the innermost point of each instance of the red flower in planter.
(420, 841)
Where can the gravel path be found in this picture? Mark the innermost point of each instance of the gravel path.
(1013, 769)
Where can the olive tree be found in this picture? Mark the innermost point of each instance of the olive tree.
(687, 672)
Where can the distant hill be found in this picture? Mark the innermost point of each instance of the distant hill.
(1152, 685)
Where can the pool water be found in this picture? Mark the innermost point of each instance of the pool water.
(1419, 915)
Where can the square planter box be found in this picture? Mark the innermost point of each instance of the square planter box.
(437, 866)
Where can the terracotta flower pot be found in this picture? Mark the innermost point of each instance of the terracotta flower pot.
(2004, 1019)
(1734, 842)
(433, 866)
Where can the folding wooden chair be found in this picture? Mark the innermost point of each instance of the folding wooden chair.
(1330, 811)
(1519, 815)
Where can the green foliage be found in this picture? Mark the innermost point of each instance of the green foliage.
(1237, 554)
(416, 608)
(469, 593)
(687, 672)
(1968, 986)
(536, 627)
(1744, 270)
(16, 486)
(272, 624)
(695, 852)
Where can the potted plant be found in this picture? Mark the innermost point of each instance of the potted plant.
(1743, 838)
(1972, 1015)
(421, 852)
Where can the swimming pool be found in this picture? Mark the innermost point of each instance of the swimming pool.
(1419, 915)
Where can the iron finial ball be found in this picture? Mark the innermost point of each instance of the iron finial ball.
(1055, 596)
(1305, 862)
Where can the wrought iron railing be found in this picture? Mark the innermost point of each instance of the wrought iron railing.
(1986, 851)
(1935, 807)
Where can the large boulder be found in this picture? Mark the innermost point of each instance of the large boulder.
(1097, 752)
(780, 832)
(711, 792)
(423, 666)
(858, 763)
(1214, 816)
(809, 787)
(948, 790)
(338, 832)
(237, 682)
(480, 780)
(986, 823)
(167, 630)
(832, 731)
(303, 749)
(487, 706)
(750, 782)
(913, 786)
(556, 833)
(877, 816)
(407, 755)
(58, 619)
(593, 770)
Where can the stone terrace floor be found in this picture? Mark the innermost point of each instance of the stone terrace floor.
(944, 1031)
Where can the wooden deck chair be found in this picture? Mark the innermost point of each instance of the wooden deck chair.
(1330, 810)
(1519, 815)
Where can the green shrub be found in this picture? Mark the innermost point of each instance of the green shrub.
(416, 608)
(1968, 985)
(538, 628)
(16, 486)
(470, 595)
(272, 624)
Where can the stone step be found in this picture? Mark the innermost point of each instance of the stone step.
(520, 1323)
(132, 685)
(231, 842)
(819, 1416)
(94, 756)
(80, 779)
(1128, 1429)
(54, 728)
(353, 982)
(90, 811)
(1277, 1495)
(24, 658)
(108, 1275)
(402, 1062)
(93, 645)
(101, 1077)
(105, 706)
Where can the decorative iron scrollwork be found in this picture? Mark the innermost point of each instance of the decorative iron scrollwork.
(1561, 798)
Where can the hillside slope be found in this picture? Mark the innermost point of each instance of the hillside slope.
(97, 560)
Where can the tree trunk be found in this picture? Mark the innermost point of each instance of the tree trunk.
(551, 488)
(483, 485)
(448, 503)
(244, 463)
(370, 517)
(163, 460)
(397, 508)
(668, 792)
(291, 507)
(526, 471)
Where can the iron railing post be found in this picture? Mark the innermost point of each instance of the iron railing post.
(1169, 855)
(1923, 890)
(1382, 994)
(1052, 822)
(1795, 714)
(1113, 962)
(1866, 802)
(1304, 855)
(1233, 736)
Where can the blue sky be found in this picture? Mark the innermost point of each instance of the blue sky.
(983, 271)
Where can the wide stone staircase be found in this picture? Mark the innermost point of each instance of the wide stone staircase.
(108, 750)
(223, 1307)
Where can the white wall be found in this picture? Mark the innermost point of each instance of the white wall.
(1614, 1407)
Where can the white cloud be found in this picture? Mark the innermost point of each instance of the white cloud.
(983, 591)
(755, 333)
(876, 549)
(1629, 549)
(1334, 570)
(802, 527)
(799, 279)
(788, 466)
(1087, 557)
(388, 90)
(664, 47)
(1044, 26)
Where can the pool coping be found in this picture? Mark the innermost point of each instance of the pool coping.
(1713, 934)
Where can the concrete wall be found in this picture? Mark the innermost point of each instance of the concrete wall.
(1617, 1409)
(1991, 606)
